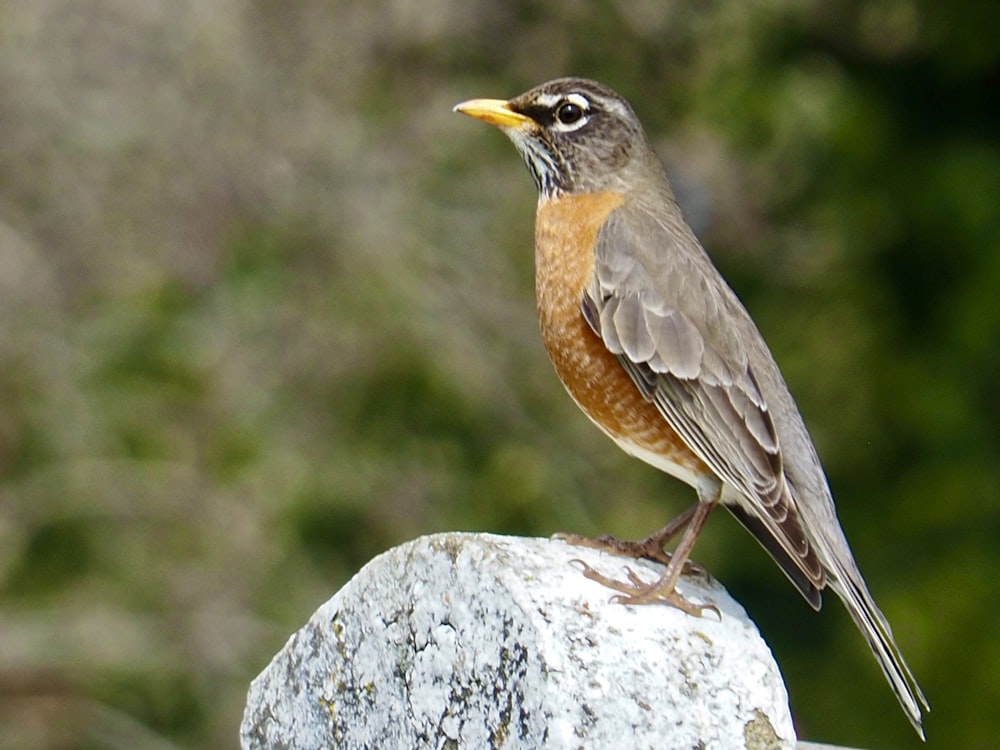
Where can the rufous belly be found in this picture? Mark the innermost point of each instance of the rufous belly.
(565, 231)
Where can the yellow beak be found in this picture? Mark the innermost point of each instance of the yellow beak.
(495, 112)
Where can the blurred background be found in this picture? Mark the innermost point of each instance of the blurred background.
(266, 310)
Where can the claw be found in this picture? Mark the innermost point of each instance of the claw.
(645, 549)
(637, 591)
(651, 595)
(664, 589)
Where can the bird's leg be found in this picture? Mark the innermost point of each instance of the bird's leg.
(650, 548)
(664, 589)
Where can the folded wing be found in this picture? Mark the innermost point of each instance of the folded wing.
(698, 375)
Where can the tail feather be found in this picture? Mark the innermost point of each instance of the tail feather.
(797, 567)
(873, 625)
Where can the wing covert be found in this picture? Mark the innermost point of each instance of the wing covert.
(657, 312)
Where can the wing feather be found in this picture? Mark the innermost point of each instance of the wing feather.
(667, 331)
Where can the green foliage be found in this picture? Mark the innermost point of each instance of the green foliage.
(266, 311)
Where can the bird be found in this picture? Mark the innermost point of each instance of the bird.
(658, 351)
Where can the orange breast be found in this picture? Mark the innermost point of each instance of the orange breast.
(565, 231)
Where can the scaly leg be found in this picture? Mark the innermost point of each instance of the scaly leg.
(650, 548)
(663, 590)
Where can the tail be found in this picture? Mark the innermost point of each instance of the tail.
(850, 587)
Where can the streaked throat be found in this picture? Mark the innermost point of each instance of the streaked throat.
(548, 171)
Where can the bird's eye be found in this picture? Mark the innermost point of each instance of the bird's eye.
(569, 113)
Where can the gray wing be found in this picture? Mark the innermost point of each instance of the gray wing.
(692, 349)
(685, 339)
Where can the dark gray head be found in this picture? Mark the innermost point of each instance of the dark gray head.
(575, 135)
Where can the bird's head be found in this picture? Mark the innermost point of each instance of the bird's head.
(575, 135)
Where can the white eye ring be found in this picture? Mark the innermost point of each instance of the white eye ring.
(571, 113)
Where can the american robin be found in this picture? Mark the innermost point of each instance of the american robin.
(658, 352)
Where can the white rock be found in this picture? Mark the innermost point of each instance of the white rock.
(479, 641)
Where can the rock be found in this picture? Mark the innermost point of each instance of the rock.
(480, 641)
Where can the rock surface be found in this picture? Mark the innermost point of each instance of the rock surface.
(480, 641)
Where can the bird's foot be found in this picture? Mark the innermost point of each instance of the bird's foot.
(650, 548)
(637, 591)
